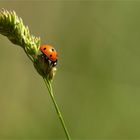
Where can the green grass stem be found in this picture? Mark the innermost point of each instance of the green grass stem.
(49, 86)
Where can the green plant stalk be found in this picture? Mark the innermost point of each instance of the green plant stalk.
(49, 86)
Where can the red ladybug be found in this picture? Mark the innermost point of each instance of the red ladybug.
(50, 53)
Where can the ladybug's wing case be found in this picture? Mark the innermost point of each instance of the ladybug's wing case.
(49, 51)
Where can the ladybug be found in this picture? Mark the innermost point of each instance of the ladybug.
(49, 53)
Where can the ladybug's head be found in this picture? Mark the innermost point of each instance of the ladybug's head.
(50, 52)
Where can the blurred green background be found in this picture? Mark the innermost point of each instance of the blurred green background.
(97, 85)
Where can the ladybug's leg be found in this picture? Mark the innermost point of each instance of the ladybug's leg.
(46, 57)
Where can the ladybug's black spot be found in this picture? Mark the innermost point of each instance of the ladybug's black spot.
(53, 50)
(50, 55)
(44, 48)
